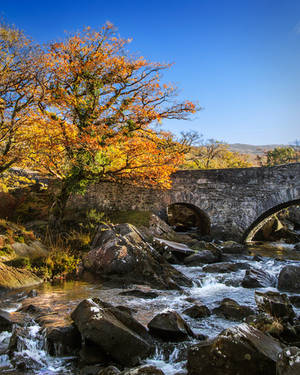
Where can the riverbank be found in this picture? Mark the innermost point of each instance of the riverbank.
(209, 289)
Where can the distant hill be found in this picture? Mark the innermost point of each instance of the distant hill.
(251, 149)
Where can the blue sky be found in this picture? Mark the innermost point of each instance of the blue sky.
(239, 59)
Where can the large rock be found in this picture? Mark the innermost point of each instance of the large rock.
(276, 304)
(62, 341)
(34, 249)
(282, 330)
(120, 252)
(202, 257)
(6, 321)
(170, 326)
(231, 247)
(180, 250)
(226, 267)
(102, 327)
(18, 341)
(237, 350)
(256, 278)
(91, 355)
(289, 362)
(289, 279)
(230, 309)
(197, 311)
(12, 278)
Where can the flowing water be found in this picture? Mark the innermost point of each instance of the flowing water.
(208, 288)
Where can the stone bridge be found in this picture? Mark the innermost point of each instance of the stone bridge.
(234, 202)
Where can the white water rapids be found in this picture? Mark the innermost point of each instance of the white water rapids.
(209, 288)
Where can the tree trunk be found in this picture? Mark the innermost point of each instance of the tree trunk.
(57, 211)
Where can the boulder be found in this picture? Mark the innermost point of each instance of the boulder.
(289, 279)
(226, 267)
(230, 309)
(119, 252)
(157, 228)
(130, 322)
(102, 327)
(62, 341)
(197, 311)
(6, 321)
(237, 350)
(297, 246)
(17, 341)
(126, 309)
(179, 250)
(12, 278)
(231, 247)
(282, 330)
(288, 361)
(170, 326)
(34, 308)
(266, 323)
(34, 249)
(257, 278)
(202, 257)
(276, 304)
(91, 356)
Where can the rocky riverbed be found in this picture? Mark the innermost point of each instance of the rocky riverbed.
(222, 310)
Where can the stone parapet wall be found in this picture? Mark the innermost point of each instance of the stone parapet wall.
(232, 198)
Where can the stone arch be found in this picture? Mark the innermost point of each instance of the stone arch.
(188, 215)
(263, 218)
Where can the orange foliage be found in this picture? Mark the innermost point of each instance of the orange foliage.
(96, 119)
(19, 92)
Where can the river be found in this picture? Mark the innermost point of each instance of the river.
(208, 288)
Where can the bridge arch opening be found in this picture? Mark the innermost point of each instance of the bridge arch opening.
(253, 230)
(187, 217)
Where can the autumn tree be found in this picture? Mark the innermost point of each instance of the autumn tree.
(210, 154)
(99, 115)
(19, 92)
(278, 155)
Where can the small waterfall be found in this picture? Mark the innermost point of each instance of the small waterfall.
(169, 364)
(30, 355)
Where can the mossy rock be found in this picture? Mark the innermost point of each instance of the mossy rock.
(12, 278)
